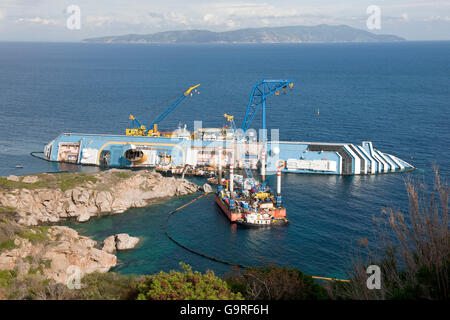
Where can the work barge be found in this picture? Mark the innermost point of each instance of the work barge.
(181, 150)
(248, 202)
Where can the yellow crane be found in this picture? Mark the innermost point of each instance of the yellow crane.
(141, 130)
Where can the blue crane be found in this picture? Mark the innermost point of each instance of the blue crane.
(261, 90)
(142, 130)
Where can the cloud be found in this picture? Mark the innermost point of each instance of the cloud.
(38, 20)
(246, 10)
(148, 19)
(99, 21)
(438, 18)
(214, 16)
(105, 17)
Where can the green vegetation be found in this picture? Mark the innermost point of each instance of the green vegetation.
(414, 255)
(46, 263)
(8, 230)
(35, 270)
(7, 209)
(276, 283)
(7, 245)
(11, 230)
(186, 285)
(7, 277)
(63, 181)
(68, 181)
(35, 234)
(108, 286)
(94, 286)
(122, 175)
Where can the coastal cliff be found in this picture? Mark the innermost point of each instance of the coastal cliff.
(28, 204)
(48, 198)
(53, 252)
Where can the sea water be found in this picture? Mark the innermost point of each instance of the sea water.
(394, 94)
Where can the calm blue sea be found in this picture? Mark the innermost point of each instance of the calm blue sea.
(394, 94)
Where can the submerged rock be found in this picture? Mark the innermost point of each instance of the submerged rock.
(125, 242)
(83, 217)
(109, 244)
(207, 188)
(121, 241)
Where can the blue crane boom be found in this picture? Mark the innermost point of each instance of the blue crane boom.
(261, 90)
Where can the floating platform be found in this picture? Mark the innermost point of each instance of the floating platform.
(253, 208)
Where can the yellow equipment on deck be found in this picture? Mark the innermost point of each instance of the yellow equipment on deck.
(262, 195)
(141, 130)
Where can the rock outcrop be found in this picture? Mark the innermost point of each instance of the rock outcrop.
(58, 257)
(125, 242)
(111, 191)
(58, 252)
(12, 177)
(109, 244)
(207, 188)
(121, 241)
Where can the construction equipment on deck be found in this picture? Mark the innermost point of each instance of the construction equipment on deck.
(142, 130)
(238, 140)
(261, 90)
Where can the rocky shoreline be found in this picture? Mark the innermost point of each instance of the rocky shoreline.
(48, 198)
(56, 252)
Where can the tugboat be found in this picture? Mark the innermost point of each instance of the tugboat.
(251, 204)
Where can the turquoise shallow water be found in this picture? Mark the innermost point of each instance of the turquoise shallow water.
(396, 95)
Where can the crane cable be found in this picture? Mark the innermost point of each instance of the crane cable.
(213, 258)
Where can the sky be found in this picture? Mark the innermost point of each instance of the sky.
(46, 20)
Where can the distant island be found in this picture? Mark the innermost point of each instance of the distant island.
(293, 34)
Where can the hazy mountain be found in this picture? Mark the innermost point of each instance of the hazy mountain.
(294, 34)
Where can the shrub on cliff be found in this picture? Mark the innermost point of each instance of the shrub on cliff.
(186, 285)
(414, 252)
(10, 230)
(107, 286)
(94, 286)
(276, 283)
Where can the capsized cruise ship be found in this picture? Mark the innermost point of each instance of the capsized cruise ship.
(143, 146)
(297, 157)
